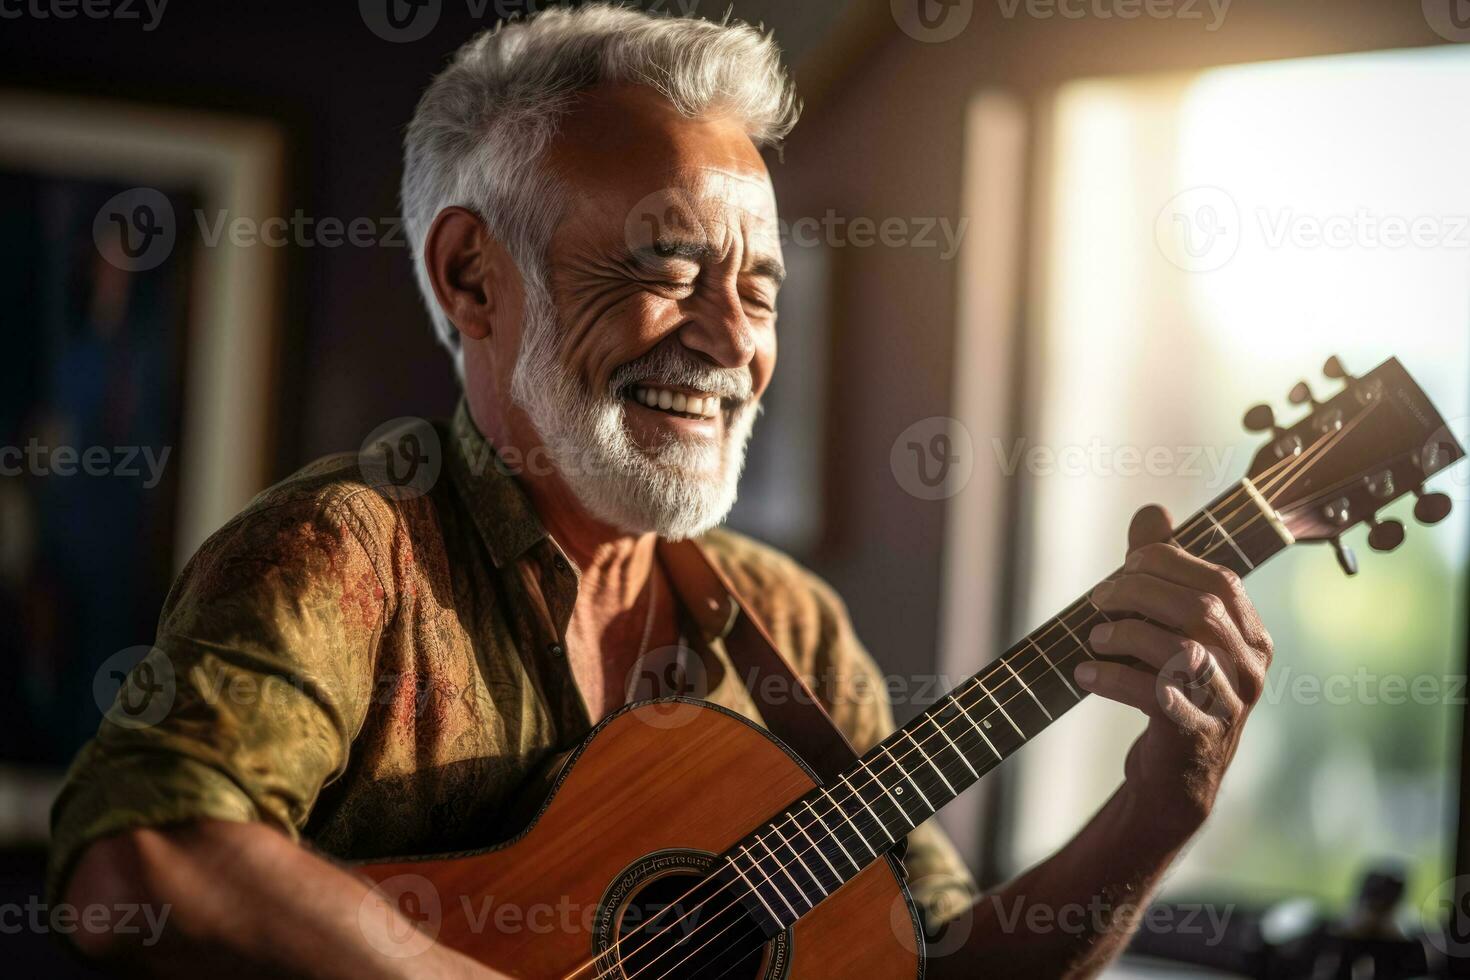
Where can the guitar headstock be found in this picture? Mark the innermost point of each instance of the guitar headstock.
(1374, 441)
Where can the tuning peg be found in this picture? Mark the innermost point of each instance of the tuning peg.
(1386, 535)
(1260, 418)
(1431, 508)
(1301, 393)
(1345, 557)
(1334, 369)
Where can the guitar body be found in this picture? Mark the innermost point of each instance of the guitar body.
(653, 793)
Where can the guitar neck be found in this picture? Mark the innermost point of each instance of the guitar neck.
(829, 835)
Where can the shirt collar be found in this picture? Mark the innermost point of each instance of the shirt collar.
(509, 526)
(498, 504)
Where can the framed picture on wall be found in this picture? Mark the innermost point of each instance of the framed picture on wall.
(134, 414)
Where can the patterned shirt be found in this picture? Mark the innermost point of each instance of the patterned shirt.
(378, 667)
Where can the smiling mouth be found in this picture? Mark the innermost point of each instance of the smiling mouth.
(676, 402)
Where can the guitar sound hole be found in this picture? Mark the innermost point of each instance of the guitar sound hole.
(701, 937)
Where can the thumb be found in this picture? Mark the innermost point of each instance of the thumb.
(1150, 525)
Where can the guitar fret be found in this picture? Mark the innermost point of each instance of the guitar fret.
(835, 839)
(755, 891)
(891, 838)
(1001, 708)
(889, 793)
(912, 782)
(772, 881)
(1060, 676)
(980, 731)
(1082, 646)
(800, 860)
(1024, 686)
(939, 725)
(937, 771)
(1228, 539)
(815, 846)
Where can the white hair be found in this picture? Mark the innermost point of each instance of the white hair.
(479, 132)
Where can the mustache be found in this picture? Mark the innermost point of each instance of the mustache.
(674, 365)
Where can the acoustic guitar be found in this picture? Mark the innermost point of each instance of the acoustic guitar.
(682, 841)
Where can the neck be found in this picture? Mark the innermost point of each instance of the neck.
(614, 565)
(914, 772)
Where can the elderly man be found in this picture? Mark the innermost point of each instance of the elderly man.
(380, 670)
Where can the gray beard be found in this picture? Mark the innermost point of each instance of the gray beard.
(678, 489)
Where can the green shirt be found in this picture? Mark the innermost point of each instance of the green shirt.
(381, 671)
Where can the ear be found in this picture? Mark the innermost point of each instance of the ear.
(460, 257)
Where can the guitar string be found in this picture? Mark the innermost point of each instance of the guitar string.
(1299, 462)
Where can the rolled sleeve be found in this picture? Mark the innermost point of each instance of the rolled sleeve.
(247, 704)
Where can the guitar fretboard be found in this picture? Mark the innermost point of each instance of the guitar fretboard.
(792, 863)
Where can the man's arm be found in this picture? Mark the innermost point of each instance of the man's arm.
(1200, 667)
(224, 899)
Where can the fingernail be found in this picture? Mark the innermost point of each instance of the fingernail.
(1100, 633)
(1085, 674)
(1134, 560)
(1103, 590)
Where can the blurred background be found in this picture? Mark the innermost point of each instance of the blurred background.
(1044, 239)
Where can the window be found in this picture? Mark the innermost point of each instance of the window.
(1207, 241)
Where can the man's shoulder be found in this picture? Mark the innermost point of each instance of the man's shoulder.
(803, 613)
(757, 568)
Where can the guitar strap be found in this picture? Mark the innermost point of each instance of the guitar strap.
(787, 705)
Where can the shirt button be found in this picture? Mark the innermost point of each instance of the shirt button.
(555, 649)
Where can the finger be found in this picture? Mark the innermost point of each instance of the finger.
(1195, 613)
(1149, 525)
(1209, 677)
(1173, 563)
(1143, 691)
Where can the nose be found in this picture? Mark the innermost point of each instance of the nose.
(719, 329)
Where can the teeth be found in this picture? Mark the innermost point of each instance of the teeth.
(702, 406)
